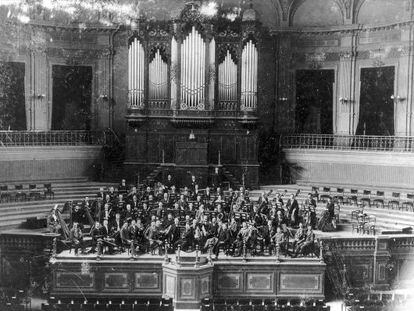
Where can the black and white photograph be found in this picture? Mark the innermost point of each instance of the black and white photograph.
(206, 155)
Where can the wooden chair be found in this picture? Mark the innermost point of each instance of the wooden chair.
(379, 200)
(353, 198)
(359, 224)
(367, 197)
(5, 195)
(339, 197)
(48, 191)
(409, 203)
(327, 194)
(19, 194)
(369, 225)
(395, 201)
(33, 193)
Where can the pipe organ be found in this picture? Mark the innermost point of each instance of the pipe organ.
(158, 78)
(193, 66)
(136, 70)
(227, 79)
(193, 75)
(249, 77)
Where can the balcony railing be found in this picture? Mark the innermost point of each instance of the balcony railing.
(347, 142)
(55, 138)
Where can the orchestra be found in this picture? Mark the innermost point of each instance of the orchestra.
(161, 218)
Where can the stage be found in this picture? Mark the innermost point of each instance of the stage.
(186, 279)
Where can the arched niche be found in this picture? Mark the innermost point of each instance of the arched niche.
(381, 12)
(317, 13)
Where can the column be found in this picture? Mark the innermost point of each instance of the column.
(40, 101)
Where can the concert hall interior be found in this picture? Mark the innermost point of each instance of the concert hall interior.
(213, 155)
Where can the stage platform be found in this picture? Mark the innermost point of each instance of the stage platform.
(186, 279)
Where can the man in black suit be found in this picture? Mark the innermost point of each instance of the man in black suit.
(107, 239)
(224, 240)
(96, 234)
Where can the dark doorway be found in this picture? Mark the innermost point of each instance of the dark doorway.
(12, 99)
(314, 98)
(72, 95)
(376, 113)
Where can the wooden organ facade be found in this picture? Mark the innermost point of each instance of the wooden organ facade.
(194, 75)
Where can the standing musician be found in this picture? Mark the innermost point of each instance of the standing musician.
(76, 237)
(53, 222)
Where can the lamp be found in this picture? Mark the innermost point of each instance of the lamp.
(397, 98)
(344, 100)
(191, 136)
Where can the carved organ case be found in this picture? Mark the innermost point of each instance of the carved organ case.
(195, 72)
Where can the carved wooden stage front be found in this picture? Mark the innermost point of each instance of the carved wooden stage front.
(117, 276)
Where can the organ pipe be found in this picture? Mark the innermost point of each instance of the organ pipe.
(249, 77)
(174, 62)
(158, 79)
(227, 79)
(193, 66)
(136, 73)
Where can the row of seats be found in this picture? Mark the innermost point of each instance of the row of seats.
(105, 307)
(23, 192)
(377, 198)
(263, 305)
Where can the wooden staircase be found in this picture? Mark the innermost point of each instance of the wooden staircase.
(234, 182)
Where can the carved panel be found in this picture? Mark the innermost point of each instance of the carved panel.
(260, 282)
(146, 280)
(187, 288)
(116, 280)
(75, 280)
(229, 281)
(169, 285)
(205, 285)
(300, 282)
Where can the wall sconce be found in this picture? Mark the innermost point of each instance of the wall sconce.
(40, 96)
(397, 98)
(104, 97)
(283, 99)
(344, 100)
(191, 136)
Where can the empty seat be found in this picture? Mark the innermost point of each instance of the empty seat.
(366, 199)
(5, 195)
(19, 194)
(409, 203)
(34, 194)
(353, 198)
(395, 201)
(339, 197)
(48, 192)
(379, 200)
(327, 194)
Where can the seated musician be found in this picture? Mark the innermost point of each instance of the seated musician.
(126, 237)
(174, 233)
(299, 237)
(135, 204)
(168, 183)
(241, 240)
(107, 239)
(173, 193)
(197, 232)
(193, 184)
(76, 237)
(182, 202)
(127, 212)
(267, 232)
(279, 199)
(223, 240)
(208, 196)
(132, 193)
(148, 192)
(53, 222)
(308, 244)
(253, 238)
(96, 234)
(78, 215)
(280, 240)
(116, 226)
(101, 194)
(122, 187)
(112, 193)
(310, 201)
(153, 236)
(119, 203)
(166, 200)
(107, 199)
(188, 237)
(134, 235)
(294, 214)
